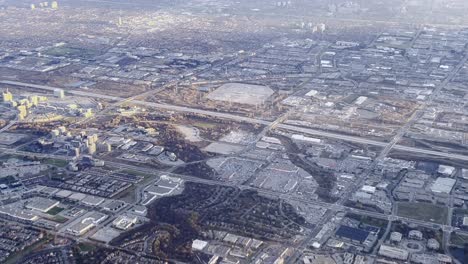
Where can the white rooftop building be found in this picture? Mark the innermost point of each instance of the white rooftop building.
(307, 139)
(396, 237)
(446, 170)
(443, 185)
(368, 189)
(415, 234)
(199, 244)
(393, 252)
(464, 174)
(124, 222)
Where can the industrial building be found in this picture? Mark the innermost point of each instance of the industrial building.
(443, 185)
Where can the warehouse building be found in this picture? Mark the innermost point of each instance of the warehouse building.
(443, 185)
(41, 204)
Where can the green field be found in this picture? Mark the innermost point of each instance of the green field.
(55, 162)
(55, 210)
(139, 173)
(129, 194)
(423, 211)
(206, 125)
(368, 220)
(86, 247)
(59, 219)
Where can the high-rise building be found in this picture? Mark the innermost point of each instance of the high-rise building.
(23, 111)
(34, 99)
(88, 113)
(59, 93)
(7, 96)
(104, 147)
(91, 148)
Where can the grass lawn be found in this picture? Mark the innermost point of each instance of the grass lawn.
(139, 173)
(204, 125)
(423, 211)
(59, 219)
(86, 247)
(369, 220)
(55, 210)
(55, 162)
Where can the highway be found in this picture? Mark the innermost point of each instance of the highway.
(287, 197)
(387, 147)
(278, 123)
(332, 208)
(182, 109)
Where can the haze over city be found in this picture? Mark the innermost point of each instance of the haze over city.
(234, 132)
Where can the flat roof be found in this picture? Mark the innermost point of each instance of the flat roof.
(41, 204)
(241, 93)
(105, 234)
(352, 233)
(93, 200)
(77, 196)
(63, 193)
(443, 185)
(13, 211)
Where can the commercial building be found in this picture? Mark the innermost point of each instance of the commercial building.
(443, 185)
(415, 234)
(139, 209)
(433, 244)
(41, 204)
(91, 200)
(199, 244)
(393, 252)
(396, 237)
(368, 189)
(423, 258)
(306, 139)
(124, 222)
(59, 93)
(12, 212)
(7, 96)
(465, 221)
(446, 170)
(352, 234)
(85, 223)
